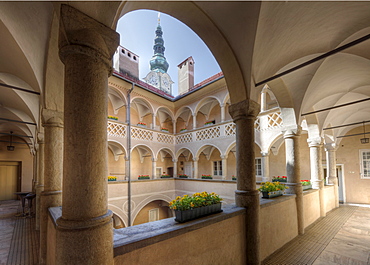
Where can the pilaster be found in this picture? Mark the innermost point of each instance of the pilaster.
(195, 168)
(174, 167)
(154, 167)
(331, 161)
(224, 166)
(84, 232)
(265, 167)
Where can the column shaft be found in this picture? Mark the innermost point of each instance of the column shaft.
(51, 196)
(244, 114)
(265, 167)
(174, 168)
(222, 112)
(194, 122)
(317, 172)
(332, 178)
(195, 168)
(84, 232)
(291, 137)
(224, 166)
(39, 187)
(154, 169)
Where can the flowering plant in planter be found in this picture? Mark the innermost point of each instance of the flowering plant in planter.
(196, 200)
(184, 176)
(209, 122)
(141, 123)
(164, 129)
(206, 176)
(272, 186)
(305, 182)
(144, 177)
(183, 130)
(112, 178)
(233, 178)
(280, 179)
(164, 176)
(112, 117)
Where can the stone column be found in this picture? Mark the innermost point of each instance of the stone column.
(84, 231)
(154, 167)
(195, 168)
(174, 167)
(222, 112)
(127, 168)
(224, 166)
(244, 114)
(331, 162)
(265, 167)
(39, 185)
(174, 126)
(51, 196)
(317, 171)
(263, 100)
(194, 121)
(154, 121)
(291, 137)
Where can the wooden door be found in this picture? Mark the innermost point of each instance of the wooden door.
(8, 180)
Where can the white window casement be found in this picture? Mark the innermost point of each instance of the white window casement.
(154, 214)
(217, 168)
(258, 166)
(365, 163)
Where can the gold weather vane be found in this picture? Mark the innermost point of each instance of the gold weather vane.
(159, 18)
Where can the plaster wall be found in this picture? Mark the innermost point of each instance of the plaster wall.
(51, 239)
(138, 168)
(278, 224)
(231, 165)
(21, 154)
(215, 114)
(329, 198)
(143, 215)
(311, 206)
(348, 153)
(187, 247)
(116, 168)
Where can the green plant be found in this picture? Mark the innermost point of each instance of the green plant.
(112, 178)
(233, 178)
(272, 186)
(184, 176)
(305, 182)
(112, 117)
(165, 176)
(144, 177)
(280, 179)
(187, 202)
(207, 177)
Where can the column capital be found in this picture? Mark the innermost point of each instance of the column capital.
(52, 118)
(174, 160)
(246, 109)
(154, 160)
(264, 154)
(330, 147)
(195, 159)
(291, 131)
(222, 105)
(314, 142)
(40, 138)
(223, 157)
(81, 34)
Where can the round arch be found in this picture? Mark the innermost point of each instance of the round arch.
(180, 151)
(203, 147)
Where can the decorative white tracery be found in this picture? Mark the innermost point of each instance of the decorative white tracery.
(116, 129)
(209, 133)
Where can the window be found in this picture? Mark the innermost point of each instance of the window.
(365, 163)
(258, 166)
(153, 215)
(217, 168)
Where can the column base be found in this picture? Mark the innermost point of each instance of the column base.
(85, 241)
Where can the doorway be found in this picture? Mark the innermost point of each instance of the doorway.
(340, 177)
(9, 176)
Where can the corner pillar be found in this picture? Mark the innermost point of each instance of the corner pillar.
(194, 121)
(224, 166)
(291, 137)
(51, 196)
(174, 167)
(195, 168)
(223, 112)
(154, 168)
(84, 231)
(317, 171)
(244, 114)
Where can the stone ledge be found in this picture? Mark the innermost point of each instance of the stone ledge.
(276, 200)
(135, 237)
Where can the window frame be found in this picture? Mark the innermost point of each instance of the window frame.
(362, 169)
(260, 164)
(218, 168)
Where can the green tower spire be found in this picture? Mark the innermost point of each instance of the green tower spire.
(158, 61)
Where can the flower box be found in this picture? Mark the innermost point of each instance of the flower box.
(112, 178)
(187, 215)
(280, 179)
(207, 177)
(144, 177)
(271, 194)
(183, 130)
(166, 176)
(141, 125)
(113, 118)
(306, 187)
(183, 176)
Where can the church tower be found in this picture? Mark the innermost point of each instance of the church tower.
(158, 76)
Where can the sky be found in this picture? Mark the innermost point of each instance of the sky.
(137, 33)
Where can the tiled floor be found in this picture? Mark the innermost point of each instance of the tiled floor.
(343, 237)
(19, 239)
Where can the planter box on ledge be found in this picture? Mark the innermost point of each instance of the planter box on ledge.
(306, 187)
(184, 216)
(271, 194)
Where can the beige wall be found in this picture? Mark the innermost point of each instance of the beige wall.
(278, 225)
(138, 168)
(216, 248)
(116, 168)
(143, 215)
(215, 114)
(311, 206)
(348, 153)
(231, 165)
(21, 154)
